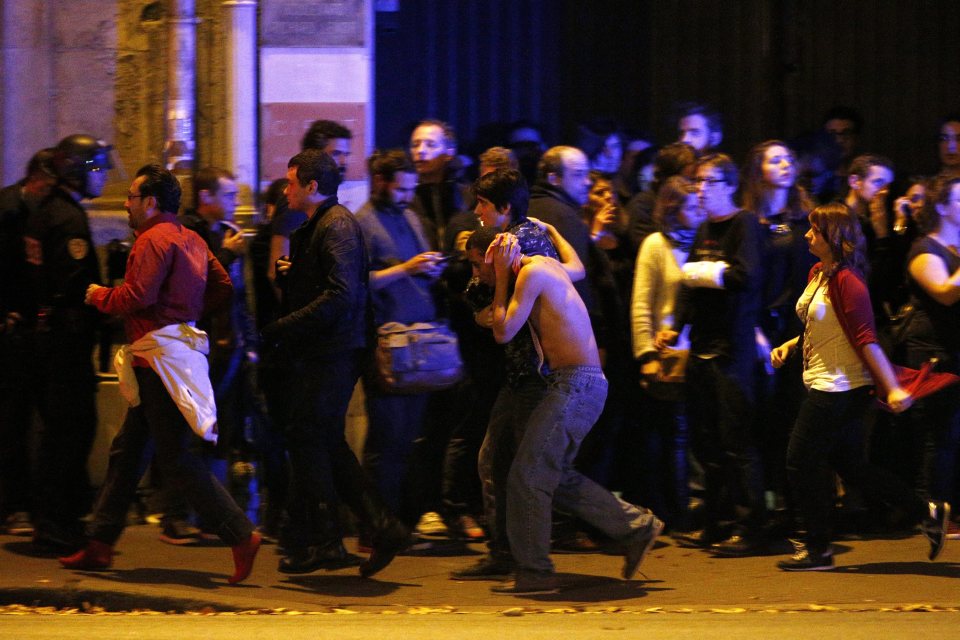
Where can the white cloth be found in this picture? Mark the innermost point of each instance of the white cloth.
(178, 354)
(704, 274)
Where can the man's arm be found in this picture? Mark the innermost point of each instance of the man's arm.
(421, 264)
(511, 312)
(146, 272)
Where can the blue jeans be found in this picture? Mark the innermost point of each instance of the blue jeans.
(542, 474)
(508, 418)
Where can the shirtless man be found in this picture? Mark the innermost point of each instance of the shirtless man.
(544, 302)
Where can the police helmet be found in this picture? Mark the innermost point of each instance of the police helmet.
(77, 155)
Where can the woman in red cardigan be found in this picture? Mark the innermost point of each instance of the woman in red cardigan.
(842, 362)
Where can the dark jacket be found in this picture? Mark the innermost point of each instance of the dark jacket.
(722, 321)
(62, 262)
(232, 327)
(324, 305)
(553, 206)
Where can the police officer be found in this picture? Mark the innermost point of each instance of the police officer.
(62, 263)
(16, 361)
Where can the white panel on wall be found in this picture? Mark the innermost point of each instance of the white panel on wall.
(302, 75)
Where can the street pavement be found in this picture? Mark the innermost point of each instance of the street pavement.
(879, 575)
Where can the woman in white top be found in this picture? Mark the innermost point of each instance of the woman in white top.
(842, 362)
(657, 278)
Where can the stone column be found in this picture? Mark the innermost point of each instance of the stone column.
(180, 130)
(241, 120)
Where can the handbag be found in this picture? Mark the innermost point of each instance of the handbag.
(669, 384)
(419, 357)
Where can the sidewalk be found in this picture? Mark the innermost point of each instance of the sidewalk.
(149, 574)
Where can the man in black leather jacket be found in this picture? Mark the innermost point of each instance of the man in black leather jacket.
(320, 337)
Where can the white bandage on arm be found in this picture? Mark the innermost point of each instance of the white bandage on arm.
(704, 274)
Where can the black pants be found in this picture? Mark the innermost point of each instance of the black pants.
(67, 406)
(157, 417)
(324, 469)
(721, 413)
(828, 437)
(19, 389)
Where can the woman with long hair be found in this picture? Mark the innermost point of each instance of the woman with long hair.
(842, 361)
(657, 279)
(770, 191)
(932, 334)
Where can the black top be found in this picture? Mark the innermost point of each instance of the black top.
(722, 320)
(934, 328)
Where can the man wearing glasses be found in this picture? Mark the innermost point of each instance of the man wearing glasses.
(171, 278)
(720, 301)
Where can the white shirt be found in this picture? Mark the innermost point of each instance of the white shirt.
(831, 363)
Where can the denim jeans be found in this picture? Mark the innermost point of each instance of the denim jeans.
(508, 419)
(542, 474)
(157, 417)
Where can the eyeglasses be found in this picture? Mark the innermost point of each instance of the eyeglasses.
(131, 196)
(709, 182)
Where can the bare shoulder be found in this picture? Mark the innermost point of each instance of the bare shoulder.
(540, 272)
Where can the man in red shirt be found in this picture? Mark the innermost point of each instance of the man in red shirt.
(171, 277)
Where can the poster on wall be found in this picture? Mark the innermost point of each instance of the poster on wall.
(313, 23)
(284, 123)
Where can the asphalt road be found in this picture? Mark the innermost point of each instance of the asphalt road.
(881, 588)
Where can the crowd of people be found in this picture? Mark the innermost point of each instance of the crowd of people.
(653, 338)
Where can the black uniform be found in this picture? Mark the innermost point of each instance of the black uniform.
(61, 264)
(16, 363)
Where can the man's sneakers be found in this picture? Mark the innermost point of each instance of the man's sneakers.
(179, 532)
(18, 524)
(487, 568)
(953, 530)
(528, 583)
(638, 545)
(935, 526)
(739, 546)
(466, 527)
(805, 560)
(431, 524)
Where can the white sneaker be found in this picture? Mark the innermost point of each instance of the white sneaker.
(431, 524)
